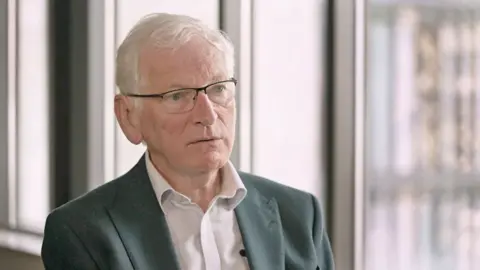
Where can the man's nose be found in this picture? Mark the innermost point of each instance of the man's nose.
(204, 111)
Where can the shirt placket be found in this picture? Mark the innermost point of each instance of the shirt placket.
(209, 245)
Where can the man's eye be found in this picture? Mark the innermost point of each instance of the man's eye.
(220, 88)
(177, 96)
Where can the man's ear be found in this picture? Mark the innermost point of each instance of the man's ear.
(128, 119)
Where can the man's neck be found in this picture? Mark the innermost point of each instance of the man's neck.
(201, 188)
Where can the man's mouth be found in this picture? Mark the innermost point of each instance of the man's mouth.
(205, 140)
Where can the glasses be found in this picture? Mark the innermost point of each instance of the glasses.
(183, 100)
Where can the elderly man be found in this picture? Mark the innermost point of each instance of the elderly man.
(184, 205)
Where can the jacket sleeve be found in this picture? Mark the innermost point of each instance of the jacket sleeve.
(321, 240)
(62, 248)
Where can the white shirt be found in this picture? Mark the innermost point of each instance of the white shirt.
(210, 240)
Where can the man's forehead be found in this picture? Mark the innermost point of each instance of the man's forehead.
(184, 70)
(195, 49)
(187, 60)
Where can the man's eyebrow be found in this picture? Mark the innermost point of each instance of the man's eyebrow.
(214, 79)
(218, 78)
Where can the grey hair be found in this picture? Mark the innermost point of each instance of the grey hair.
(164, 31)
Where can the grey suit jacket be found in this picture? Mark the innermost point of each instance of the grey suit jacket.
(120, 225)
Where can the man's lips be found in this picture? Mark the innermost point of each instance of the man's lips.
(205, 140)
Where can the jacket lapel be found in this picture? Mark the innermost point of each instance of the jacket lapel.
(261, 230)
(141, 223)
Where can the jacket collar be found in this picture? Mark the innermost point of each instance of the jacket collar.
(143, 229)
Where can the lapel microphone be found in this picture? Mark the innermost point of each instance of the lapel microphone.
(242, 253)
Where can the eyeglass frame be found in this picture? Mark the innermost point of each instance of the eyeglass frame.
(197, 89)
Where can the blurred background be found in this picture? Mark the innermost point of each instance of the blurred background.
(371, 105)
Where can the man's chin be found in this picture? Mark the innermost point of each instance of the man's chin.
(210, 161)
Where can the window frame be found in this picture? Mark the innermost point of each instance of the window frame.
(345, 131)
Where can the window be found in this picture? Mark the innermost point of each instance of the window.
(25, 124)
(422, 155)
(287, 92)
(33, 156)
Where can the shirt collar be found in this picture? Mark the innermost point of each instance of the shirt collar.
(233, 190)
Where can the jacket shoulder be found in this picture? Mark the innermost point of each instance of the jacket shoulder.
(92, 204)
(272, 189)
